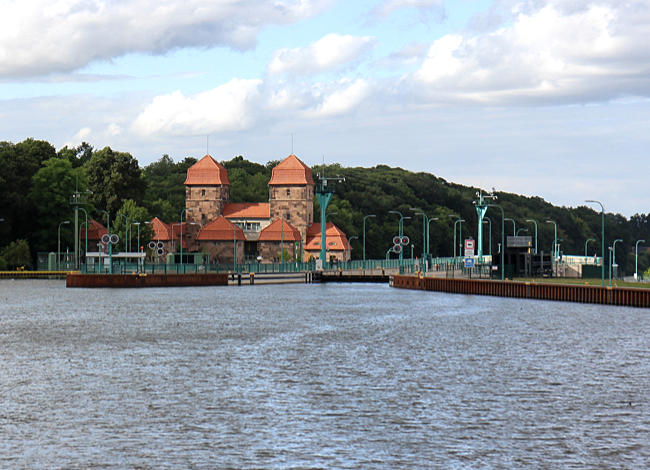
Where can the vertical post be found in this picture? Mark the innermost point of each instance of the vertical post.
(364, 237)
(636, 260)
(602, 239)
(503, 250)
(182, 212)
(535, 222)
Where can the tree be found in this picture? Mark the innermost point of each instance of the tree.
(134, 213)
(114, 177)
(165, 194)
(16, 255)
(19, 163)
(78, 156)
(52, 187)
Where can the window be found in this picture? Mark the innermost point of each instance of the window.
(203, 217)
(288, 192)
(203, 192)
(287, 217)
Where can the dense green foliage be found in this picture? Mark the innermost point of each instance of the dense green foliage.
(36, 183)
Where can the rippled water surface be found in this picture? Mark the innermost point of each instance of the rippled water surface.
(317, 376)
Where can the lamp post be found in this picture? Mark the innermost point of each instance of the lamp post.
(401, 232)
(110, 245)
(636, 260)
(137, 224)
(602, 238)
(503, 246)
(126, 231)
(58, 249)
(535, 222)
(425, 222)
(431, 219)
(86, 232)
(364, 237)
(461, 233)
(586, 242)
(456, 216)
(489, 221)
(613, 259)
(514, 227)
(554, 244)
(182, 213)
(522, 230)
(350, 246)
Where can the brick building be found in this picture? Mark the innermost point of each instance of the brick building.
(260, 231)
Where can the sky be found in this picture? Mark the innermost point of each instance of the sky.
(546, 98)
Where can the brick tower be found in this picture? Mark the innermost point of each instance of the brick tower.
(207, 190)
(291, 194)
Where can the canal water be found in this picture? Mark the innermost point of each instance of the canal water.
(317, 376)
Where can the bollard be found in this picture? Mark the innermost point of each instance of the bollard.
(252, 279)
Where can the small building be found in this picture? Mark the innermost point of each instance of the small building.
(95, 233)
(222, 240)
(280, 241)
(338, 248)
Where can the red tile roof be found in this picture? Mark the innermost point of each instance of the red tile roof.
(280, 230)
(207, 172)
(95, 230)
(221, 229)
(336, 239)
(247, 210)
(161, 230)
(291, 171)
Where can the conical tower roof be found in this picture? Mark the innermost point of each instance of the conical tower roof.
(207, 172)
(291, 171)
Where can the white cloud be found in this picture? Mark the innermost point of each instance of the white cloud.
(389, 6)
(588, 52)
(38, 37)
(342, 100)
(332, 51)
(229, 107)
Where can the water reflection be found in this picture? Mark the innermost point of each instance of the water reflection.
(325, 376)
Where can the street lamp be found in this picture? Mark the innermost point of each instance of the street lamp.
(489, 221)
(110, 245)
(612, 257)
(460, 235)
(514, 227)
(503, 246)
(126, 231)
(58, 252)
(554, 244)
(457, 218)
(364, 237)
(425, 222)
(86, 232)
(535, 222)
(182, 212)
(522, 230)
(636, 260)
(431, 219)
(602, 239)
(350, 246)
(138, 247)
(401, 232)
(586, 242)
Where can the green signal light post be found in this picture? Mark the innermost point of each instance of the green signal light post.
(324, 196)
(481, 206)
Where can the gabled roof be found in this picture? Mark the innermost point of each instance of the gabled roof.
(207, 172)
(161, 231)
(95, 230)
(221, 229)
(280, 230)
(336, 239)
(247, 210)
(291, 171)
